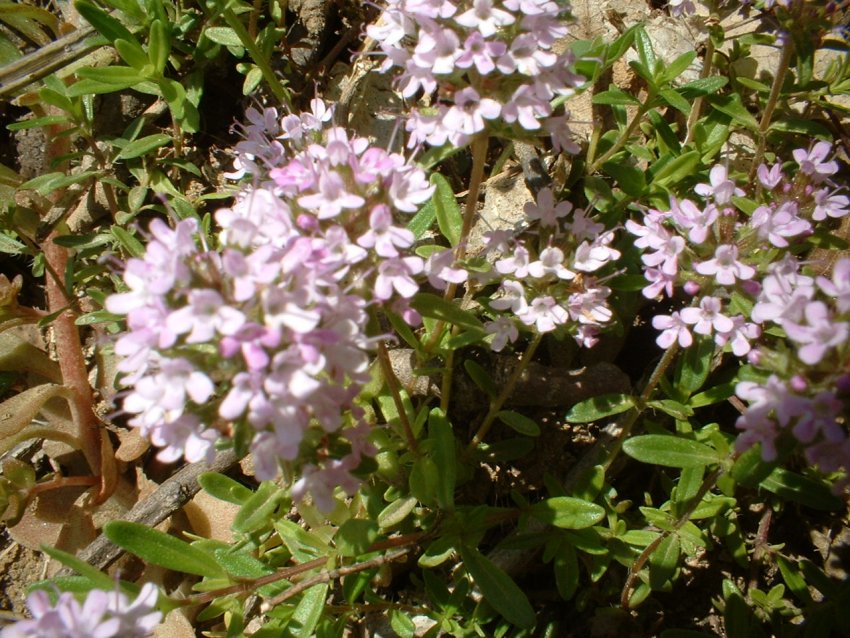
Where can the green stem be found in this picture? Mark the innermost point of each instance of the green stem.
(624, 137)
(697, 107)
(257, 56)
(395, 391)
(634, 570)
(497, 403)
(772, 100)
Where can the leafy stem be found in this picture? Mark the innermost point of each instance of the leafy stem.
(635, 568)
(772, 100)
(497, 403)
(625, 136)
(257, 56)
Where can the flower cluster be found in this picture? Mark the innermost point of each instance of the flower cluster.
(104, 614)
(492, 62)
(742, 277)
(549, 285)
(263, 339)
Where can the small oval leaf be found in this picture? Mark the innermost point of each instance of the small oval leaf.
(670, 451)
(519, 422)
(600, 407)
(567, 512)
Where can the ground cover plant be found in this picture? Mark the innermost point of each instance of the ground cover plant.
(423, 318)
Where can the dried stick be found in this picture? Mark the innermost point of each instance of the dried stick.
(167, 499)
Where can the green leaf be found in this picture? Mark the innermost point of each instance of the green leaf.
(161, 549)
(567, 512)
(750, 469)
(732, 106)
(121, 76)
(600, 407)
(663, 561)
(143, 145)
(355, 536)
(566, 571)
(402, 624)
(694, 366)
(678, 66)
(672, 408)
(519, 422)
(423, 219)
(631, 179)
(223, 35)
(224, 488)
(481, 378)
(424, 479)
(435, 307)
(253, 79)
(676, 169)
(801, 489)
(713, 395)
(159, 45)
(670, 451)
(615, 96)
(674, 99)
(446, 209)
(128, 241)
(443, 450)
(95, 87)
(37, 122)
(133, 54)
(308, 612)
(11, 246)
(257, 511)
(646, 53)
(97, 577)
(105, 24)
(396, 512)
(501, 592)
(241, 564)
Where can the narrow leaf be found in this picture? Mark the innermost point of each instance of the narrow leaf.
(161, 549)
(435, 307)
(223, 35)
(519, 422)
(600, 407)
(446, 209)
(396, 512)
(309, 610)
(144, 145)
(501, 592)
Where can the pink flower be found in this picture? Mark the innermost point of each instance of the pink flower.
(707, 317)
(692, 218)
(725, 266)
(331, 198)
(820, 333)
(503, 330)
(546, 210)
(674, 329)
(481, 53)
(813, 164)
(721, 188)
(550, 263)
(382, 235)
(439, 269)
(839, 286)
(397, 274)
(544, 313)
(513, 297)
(777, 224)
(484, 17)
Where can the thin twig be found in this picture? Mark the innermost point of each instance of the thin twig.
(334, 574)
